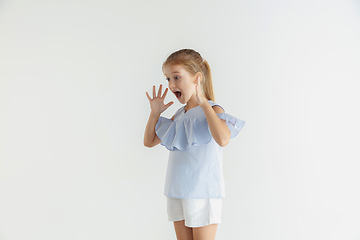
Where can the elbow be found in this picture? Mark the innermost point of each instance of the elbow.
(146, 144)
(224, 139)
(149, 145)
(223, 142)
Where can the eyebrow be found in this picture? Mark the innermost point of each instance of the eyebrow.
(174, 72)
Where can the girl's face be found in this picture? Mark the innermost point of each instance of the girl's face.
(181, 83)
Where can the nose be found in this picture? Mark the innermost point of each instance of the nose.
(171, 84)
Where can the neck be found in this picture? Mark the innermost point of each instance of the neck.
(191, 103)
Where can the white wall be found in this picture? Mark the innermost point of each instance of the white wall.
(73, 109)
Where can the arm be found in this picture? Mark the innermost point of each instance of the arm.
(157, 107)
(150, 137)
(219, 129)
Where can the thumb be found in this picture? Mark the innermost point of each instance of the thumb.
(169, 104)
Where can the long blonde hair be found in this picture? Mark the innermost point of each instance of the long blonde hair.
(192, 61)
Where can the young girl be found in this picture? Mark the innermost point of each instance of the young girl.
(195, 135)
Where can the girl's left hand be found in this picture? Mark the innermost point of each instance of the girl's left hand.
(200, 96)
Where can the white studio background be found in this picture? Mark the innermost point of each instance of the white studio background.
(73, 109)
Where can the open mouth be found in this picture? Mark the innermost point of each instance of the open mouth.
(177, 94)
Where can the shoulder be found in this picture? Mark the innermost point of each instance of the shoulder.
(218, 109)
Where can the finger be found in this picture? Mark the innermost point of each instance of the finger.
(148, 96)
(199, 90)
(159, 92)
(169, 104)
(164, 95)
(154, 92)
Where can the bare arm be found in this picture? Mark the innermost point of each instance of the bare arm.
(150, 137)
(219, 129)
(157, 107)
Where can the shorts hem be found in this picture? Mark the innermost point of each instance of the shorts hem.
(175, 219)
(202, 224)
(193, 225)
(199, 197)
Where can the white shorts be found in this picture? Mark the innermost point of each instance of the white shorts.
(195, 212)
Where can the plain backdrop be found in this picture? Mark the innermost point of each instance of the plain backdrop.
(73, 110)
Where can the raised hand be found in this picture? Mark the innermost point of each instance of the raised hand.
(199, 95)
(157, 102)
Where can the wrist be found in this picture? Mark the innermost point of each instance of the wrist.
(155, 114)
(205, 104)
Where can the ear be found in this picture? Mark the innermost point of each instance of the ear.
(197, 77)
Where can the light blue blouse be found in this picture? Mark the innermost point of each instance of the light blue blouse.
(195, 165)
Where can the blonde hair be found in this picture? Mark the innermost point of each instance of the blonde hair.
(192, 61)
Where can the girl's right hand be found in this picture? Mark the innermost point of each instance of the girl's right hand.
(157, 103)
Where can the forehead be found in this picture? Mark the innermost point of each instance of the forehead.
(170, 69)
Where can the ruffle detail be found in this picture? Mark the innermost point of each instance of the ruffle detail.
(234, 124)
(182, 134)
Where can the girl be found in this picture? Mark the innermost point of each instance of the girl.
(195, 135)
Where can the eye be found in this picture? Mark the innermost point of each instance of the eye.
(167, 79)
(177, 77)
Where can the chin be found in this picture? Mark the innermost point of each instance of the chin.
(182, 101)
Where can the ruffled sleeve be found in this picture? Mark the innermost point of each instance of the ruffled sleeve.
(163, 129)
(234, 124)
(182, 134)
